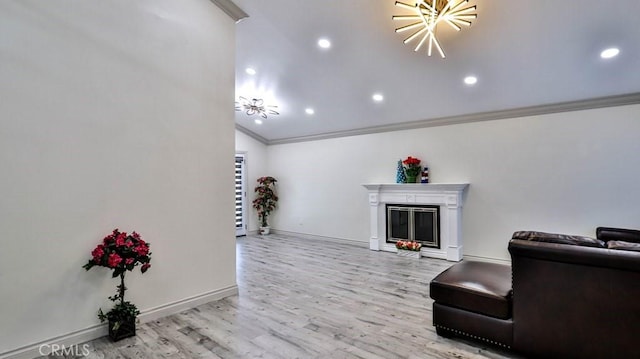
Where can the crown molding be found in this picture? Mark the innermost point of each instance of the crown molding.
(600, 102)
(252, 134)
(231, 9)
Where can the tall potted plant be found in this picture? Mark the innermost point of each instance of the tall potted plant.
(265, 201)
(121, 253)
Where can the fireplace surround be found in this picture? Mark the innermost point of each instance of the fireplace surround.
(447, 196)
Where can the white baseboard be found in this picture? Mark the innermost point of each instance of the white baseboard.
(364, 244)
(100, 330)
(487, 259)
(187, 303)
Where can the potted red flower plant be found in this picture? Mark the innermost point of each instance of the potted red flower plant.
(121, 252)
(265, 201)
(412, 168)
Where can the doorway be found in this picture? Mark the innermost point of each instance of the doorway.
(241, 196)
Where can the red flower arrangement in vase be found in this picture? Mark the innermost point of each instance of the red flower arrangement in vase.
(412, 168)
(121, 252)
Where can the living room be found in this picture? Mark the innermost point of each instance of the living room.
(565, 173)
(131, 127)
(563, 165)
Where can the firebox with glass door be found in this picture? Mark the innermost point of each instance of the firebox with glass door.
(413, 223)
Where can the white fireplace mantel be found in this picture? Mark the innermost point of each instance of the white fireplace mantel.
(446, 195)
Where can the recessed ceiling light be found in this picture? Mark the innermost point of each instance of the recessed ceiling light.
(250, 71)
(258, 121)
(610, 52)
(309, 111)
(324, 43)
(470, 80)
(377, 97)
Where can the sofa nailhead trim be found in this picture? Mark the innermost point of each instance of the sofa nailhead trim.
(473, 336)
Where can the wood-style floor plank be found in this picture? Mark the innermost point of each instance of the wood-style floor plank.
(301, 298)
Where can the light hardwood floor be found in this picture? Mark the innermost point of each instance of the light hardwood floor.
(308, 299)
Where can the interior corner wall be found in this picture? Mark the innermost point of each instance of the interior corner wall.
(114, 114)
(256, 166)
(567, 172)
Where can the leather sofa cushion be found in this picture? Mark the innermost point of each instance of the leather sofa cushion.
(618, 234)
(559, 238)
(479, 287)
(627, 246)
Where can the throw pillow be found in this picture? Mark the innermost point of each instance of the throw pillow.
(618, 234)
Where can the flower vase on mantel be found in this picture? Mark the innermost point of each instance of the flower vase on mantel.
(411, 179)
(412, 169)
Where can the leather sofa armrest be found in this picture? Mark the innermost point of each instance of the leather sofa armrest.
(590, 256)
(618, 234)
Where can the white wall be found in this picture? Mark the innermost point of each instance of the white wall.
(566, 172)
(114, 114)
(256, 166)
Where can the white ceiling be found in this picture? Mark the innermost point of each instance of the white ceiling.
(524, 52)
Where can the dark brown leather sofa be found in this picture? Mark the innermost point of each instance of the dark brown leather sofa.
(565, 296)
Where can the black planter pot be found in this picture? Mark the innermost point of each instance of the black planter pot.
(121, 330)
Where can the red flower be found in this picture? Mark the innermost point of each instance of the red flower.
(120, 241)
(408, 245)
(107, 239)
(114, 260)
(120, 252)
(411, 161)
(142, 249)
(145, 267)
(98, 253)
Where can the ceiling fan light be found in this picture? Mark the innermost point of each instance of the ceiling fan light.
(255, 106)
(431, 13)
(408, 27)
(406, 6)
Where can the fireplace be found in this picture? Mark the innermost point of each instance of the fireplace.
(446, 197)
(414, 223)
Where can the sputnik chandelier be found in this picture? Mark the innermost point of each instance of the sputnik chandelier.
(427, 14)
(255, 106)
